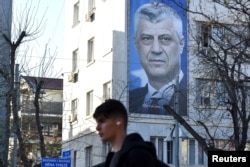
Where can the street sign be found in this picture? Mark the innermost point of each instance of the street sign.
(66, 154)
(55, 162)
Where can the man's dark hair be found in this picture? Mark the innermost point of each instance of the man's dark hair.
(111, 108)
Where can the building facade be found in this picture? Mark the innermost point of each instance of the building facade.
(103, 63)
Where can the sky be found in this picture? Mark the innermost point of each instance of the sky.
(52, 12)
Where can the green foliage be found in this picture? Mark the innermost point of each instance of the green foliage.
(53, 149)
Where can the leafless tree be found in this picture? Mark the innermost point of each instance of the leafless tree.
(219, 50)
(27, 27)
(36, 102)
(44, 68)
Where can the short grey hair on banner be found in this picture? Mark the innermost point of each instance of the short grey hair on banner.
(156, 12)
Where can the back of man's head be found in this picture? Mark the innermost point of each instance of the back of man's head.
(112, 108)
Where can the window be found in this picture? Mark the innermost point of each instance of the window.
(184, 151)
(205, 35)
(50, 129)
(90, 57)
(221, 94)
(89, 103)
(75, 66)
(170, 152)
(210, 93)
(204, 92)
(90, 16)
(222, 36)
(160, 148)
(91, 5)
(212, 35)
(74, 108)
(107, 91)
(217, 33)
(88, 157)
(76, 13)
(75, 61)
(200, 154)
(158, 142)
(191, 151)
(74, 158)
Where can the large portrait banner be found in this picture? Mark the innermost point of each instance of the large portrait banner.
(157, 56)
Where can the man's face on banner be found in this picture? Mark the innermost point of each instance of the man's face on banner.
(159, 48)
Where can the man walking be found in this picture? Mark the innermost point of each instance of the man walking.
(127, 150)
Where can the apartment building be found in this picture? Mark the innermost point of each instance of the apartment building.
(103, 63)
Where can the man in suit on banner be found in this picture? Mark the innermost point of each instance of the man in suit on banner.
(159, 42)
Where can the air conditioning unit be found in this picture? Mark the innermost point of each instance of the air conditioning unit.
(71, 118)
(71, 77)
(90, 16)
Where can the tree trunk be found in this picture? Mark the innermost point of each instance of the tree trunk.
(38, 123)
(16, 121)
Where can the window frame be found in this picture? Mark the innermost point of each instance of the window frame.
(170, 152)
(91, 6)
(74, 158)
(76, 11)
(74, 109)
(75, 58)
(191, 151)
(210, 93)
(88, 156)
(89, 102)
(107, 90)
(90, 15)
(90, 53)
(220, 35)
(162, 148)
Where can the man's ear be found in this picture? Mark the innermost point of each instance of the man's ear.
(118, 121)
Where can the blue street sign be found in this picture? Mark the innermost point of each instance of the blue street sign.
(55, 162)
(66, 154)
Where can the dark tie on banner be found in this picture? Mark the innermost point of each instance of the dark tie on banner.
(157, 102)
(154, 106)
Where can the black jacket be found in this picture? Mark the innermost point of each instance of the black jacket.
(134, 153)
